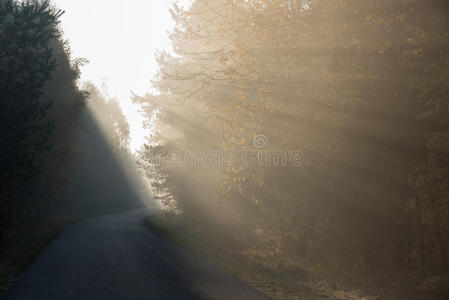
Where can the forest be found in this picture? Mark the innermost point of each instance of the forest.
(46, 116)
(358, 87)
(303, 136)
(55, 158)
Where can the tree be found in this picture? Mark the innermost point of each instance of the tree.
(40, 109)
(27, 31)
(358, 86)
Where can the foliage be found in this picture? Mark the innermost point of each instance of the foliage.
(360, 87)
(40, 108)
(109, 117)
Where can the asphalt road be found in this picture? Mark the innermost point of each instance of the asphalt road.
(115, 257)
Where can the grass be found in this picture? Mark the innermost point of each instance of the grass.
(21, 246)
(218, 246)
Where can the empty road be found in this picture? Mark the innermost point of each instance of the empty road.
(116, 257)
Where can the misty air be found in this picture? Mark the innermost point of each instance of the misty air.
(224, 149)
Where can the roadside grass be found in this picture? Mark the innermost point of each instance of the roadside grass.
(216, 245)
(20, 246)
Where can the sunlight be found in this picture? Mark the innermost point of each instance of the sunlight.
(106, 135)
(224, 149)
(120, 39)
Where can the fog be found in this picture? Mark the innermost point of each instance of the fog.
(301, 145)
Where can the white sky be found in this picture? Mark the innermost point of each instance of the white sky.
(120, 39)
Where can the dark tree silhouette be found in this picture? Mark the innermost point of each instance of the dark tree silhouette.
(38, 94)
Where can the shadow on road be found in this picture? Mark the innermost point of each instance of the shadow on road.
(116, 257)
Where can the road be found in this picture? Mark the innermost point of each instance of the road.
(116, 257)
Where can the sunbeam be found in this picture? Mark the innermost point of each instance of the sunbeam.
(224, 149)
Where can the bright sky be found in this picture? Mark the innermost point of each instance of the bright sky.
(120, 39)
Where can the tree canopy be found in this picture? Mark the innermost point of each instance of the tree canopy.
(359, 87)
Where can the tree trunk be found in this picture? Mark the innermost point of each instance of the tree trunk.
(439, 235)
(419, 226)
